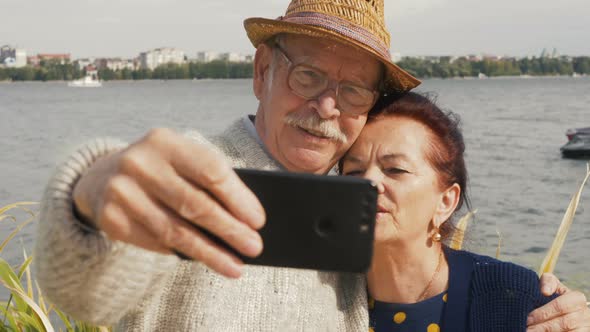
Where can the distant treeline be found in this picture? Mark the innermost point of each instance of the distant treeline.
(463, 67)
(442, 67)
(52, 70)
(213, 69)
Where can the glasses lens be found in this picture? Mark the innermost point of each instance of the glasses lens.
(355, 95)
(307, 81)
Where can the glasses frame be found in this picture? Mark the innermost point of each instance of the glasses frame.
(292, 66)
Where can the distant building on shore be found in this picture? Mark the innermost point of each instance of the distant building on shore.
(83, 63)
(59, 58)
(33, 60)
(115, 64)
(160, 56)
(233, 57)
(207, 56)
(13, 57)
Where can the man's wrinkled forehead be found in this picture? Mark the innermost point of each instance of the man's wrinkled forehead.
(308, 44)
(319, 52)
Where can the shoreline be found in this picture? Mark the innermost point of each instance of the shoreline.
(132, 81)
(524, 77)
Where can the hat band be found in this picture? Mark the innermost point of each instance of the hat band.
(340, 26)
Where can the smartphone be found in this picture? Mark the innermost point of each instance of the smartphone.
(313, 221)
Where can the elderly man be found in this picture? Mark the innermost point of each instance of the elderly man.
(113, 213)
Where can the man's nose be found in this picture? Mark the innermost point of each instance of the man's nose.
(327, 104)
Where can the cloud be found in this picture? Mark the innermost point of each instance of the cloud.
(410, 7)
(108, 20)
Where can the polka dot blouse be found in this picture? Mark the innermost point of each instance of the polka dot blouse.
(417, 317)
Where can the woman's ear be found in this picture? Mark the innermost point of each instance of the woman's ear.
(447, 204)
(262, 61)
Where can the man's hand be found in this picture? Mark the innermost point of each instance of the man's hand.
(568, 312)
(153, 193)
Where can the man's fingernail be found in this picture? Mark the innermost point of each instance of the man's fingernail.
(546, 289)
(254, 246)
(259, 217)
(233, 270)
(529, 320)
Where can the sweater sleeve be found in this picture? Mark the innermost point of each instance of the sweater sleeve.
(78, 268)
(502, 296)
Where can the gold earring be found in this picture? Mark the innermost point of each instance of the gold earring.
(436, 237)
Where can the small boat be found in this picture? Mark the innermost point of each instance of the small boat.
(570, 133)
(578, 145)
(89, 81)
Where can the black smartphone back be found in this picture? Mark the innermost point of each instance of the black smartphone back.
(314, 222)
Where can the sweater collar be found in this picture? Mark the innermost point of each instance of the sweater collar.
(249, 125)
(246, 138)
(243, 137)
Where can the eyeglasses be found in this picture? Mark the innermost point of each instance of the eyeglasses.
(309, 83)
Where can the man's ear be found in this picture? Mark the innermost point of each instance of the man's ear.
(262, 61)
(447, 203)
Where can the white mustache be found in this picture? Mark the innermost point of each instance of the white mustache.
(314, 123)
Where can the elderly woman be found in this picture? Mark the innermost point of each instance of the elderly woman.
(414, 153)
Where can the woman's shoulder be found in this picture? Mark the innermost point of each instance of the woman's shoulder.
(490, 274)
(483, 261)
(476, 258)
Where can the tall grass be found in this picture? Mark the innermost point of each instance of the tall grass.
(458, 236)
(550, 260)
(26, 309)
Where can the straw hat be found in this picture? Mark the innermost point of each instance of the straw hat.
(360, 23)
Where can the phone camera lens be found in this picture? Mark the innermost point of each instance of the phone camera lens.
(325, 227)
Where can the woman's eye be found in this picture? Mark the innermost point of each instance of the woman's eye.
(353, 173)
(395, 170)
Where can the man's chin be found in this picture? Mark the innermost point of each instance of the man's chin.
(310, 160)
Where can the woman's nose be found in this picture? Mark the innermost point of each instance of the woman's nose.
(376, 176)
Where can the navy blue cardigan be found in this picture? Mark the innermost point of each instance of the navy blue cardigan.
(486, 294)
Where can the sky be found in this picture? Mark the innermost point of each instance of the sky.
(124, 28)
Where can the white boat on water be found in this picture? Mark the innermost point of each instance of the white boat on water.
(89, 81)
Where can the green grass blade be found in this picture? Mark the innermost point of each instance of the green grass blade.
(459, 234)
(6, 208)
(41, 299)
(9, 278)
(7, 216)
(30, 322)
(27, 271)
(550, 260)
(19, 293)
(14, 232)
(8, 316)
(64, 319)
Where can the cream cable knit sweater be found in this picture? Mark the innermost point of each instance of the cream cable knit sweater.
(104, 282)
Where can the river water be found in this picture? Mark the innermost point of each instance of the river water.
(513, 128)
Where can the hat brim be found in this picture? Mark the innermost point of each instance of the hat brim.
(260, 30)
